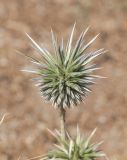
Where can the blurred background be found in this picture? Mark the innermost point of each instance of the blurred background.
(24, 131)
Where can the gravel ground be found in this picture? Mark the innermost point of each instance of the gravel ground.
(24, 131)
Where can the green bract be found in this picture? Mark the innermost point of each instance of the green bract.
(65, 74)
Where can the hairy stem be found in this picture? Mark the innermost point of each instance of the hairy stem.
(62, 121)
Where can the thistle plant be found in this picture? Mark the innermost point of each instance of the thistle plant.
(64, 76)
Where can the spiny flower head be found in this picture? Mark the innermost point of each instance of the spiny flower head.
(65, 76)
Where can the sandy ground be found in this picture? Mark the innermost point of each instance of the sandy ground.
(24, 131)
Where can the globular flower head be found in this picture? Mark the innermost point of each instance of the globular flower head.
(65, 74)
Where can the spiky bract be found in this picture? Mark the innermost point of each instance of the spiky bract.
(65, 77)
(79, 148)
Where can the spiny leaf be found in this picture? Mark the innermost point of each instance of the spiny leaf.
(75, 148)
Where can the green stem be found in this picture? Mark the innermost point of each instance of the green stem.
(62, 119)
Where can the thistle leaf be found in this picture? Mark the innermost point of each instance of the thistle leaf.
(74, 148)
